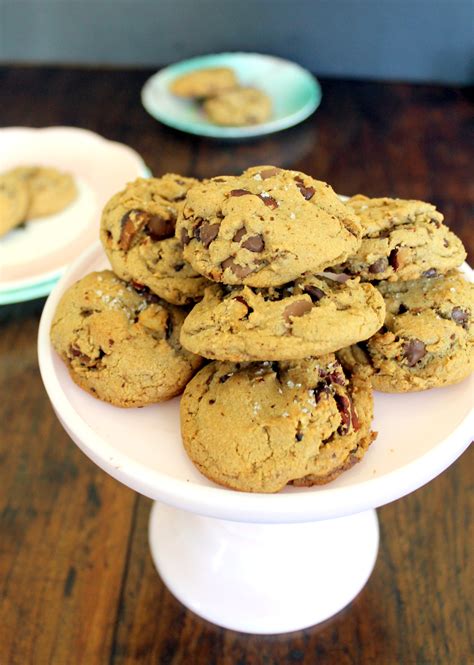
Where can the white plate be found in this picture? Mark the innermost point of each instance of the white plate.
(38, 253)
(294, 92)
(420, 434)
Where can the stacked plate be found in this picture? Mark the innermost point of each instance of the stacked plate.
(35, 255)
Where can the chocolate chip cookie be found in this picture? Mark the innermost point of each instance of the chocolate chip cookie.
(13, 203)
(428, 336)
(239, 107)
(204, 82)
(265, 228)
(402, 240)
(309, 317)
(49, 190)
(256, 427)
(119, 345)
(137, 232)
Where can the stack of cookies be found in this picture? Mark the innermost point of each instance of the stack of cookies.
(118, 332)
(224, 100)
(427, 340)
(297, 304)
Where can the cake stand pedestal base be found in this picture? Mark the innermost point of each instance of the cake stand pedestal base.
(263, 578)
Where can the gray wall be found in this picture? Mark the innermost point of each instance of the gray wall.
(417, 40)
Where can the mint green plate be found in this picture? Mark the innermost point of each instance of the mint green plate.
(294, 92)
(28, 293)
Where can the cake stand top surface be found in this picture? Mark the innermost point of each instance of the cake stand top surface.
(420, 434)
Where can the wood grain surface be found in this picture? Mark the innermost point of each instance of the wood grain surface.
(77, 584)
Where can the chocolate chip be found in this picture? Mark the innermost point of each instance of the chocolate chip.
(145, 292)
(402, 309)
(239, 234)
(268, 200)
(254, 243)
(445, 242)
(460, 316)
(239, 192)
(206, 233)
(160, 227)
(414, 350)
(139, 287)
(379, 266)
(130, 224)
(82, 357)
(185, 239)
(239, 271)
(429, 273)
(225, 377)
(269, 173)
(178, 267)
(394, 259)
(314, 292)
(307, 192)
(299, 436)
(297, 308)
(249, 309)
(75, 352)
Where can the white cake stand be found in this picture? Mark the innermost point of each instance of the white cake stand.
(253, 562)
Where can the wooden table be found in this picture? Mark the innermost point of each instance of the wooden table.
(77, 584)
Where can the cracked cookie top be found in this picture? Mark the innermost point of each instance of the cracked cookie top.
(120, 345)
(265, 227)
(138, 235)
(256, 427)
(309, 317)
(402, 240)
(427, 339)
